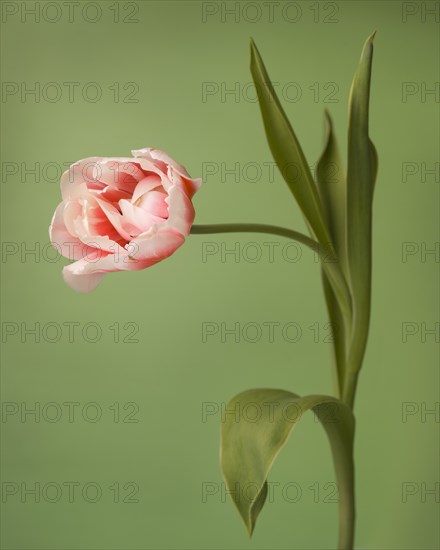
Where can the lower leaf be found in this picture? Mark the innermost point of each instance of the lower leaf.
(257, 424)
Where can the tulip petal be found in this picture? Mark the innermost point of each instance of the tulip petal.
(68, 245)
(75, 180)
(175, 171)
(115, 218)
(136, 219)
(155, 245)
(146, 185)
(158, 155)
(120, 173)
(81, 282)
(85, 274)
(189, 185)
(180, 211)
(154, 203)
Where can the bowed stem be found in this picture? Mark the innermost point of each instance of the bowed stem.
(255, 228)
(331, 266)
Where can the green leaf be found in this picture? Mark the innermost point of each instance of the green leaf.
(361, 175)
(338, 333)
(256, 426)
(333, 190)
(287, 151)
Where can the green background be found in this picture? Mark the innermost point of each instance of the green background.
(171, 453)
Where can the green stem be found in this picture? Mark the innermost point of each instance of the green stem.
(329, 262)
(347, 516)
(350, 388)
(256, 228)
(356, 355)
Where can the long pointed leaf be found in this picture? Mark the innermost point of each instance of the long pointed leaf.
(338, 332)
(287, 151)
(333, 190)
(256, 426)
(361, 174)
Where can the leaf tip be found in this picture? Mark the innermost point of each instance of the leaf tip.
(328, 118)
(369, 41)
(252, 45)
(254, 51)
(250, 526)
(328, 128)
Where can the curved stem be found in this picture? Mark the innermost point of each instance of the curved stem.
(257, 228)
(329, 262)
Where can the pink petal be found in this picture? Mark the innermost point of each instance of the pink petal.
(158, 155)
(154, 202)
(189, 185)
(68, 245)
(75, 180)
(145, 185)
(180, 211)
(177, 173)
(111, 194)
(120, 173)
(94, 230)
(81, 282)
(115, 218)
(155, 245)
(137, 220)
(84, 275)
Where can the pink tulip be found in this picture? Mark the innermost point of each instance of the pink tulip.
(121, 214)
